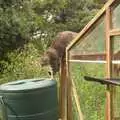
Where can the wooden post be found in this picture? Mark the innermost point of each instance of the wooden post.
(69, 89)
(109, 64)
(62, 90)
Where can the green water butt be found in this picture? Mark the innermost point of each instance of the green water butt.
(31, 99)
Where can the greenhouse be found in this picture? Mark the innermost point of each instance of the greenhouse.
(95, 54)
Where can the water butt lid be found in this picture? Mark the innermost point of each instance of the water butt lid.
(27, 84)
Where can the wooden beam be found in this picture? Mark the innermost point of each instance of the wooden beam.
(62, 91)
(95, 56)
(109, 63)
(87, 27)
(115, 32)
(69, 89)
(94, 61)
(88, 61)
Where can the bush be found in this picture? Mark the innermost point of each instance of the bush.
(23, 64)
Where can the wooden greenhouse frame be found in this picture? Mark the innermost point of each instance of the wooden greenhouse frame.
(67, 85)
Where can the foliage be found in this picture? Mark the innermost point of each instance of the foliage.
(21, 21)
(18, 22)
(39, 21)
(23, 64)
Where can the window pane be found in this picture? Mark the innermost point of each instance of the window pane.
(93, 42)
(116, 47)
(116, 74)
(91, 94)
(116, 16)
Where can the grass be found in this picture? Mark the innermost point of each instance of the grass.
(91, 95)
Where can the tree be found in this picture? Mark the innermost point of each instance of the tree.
(38, 21)
(22, 20)
(17, 24)
(63, 15)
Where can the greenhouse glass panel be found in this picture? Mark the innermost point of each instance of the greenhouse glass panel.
(92, 45)
(91, 94)
(116, 56)
(116, 47)
(116, 16)
(116, 74)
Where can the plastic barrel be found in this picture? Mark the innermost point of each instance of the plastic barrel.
(32, 99)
